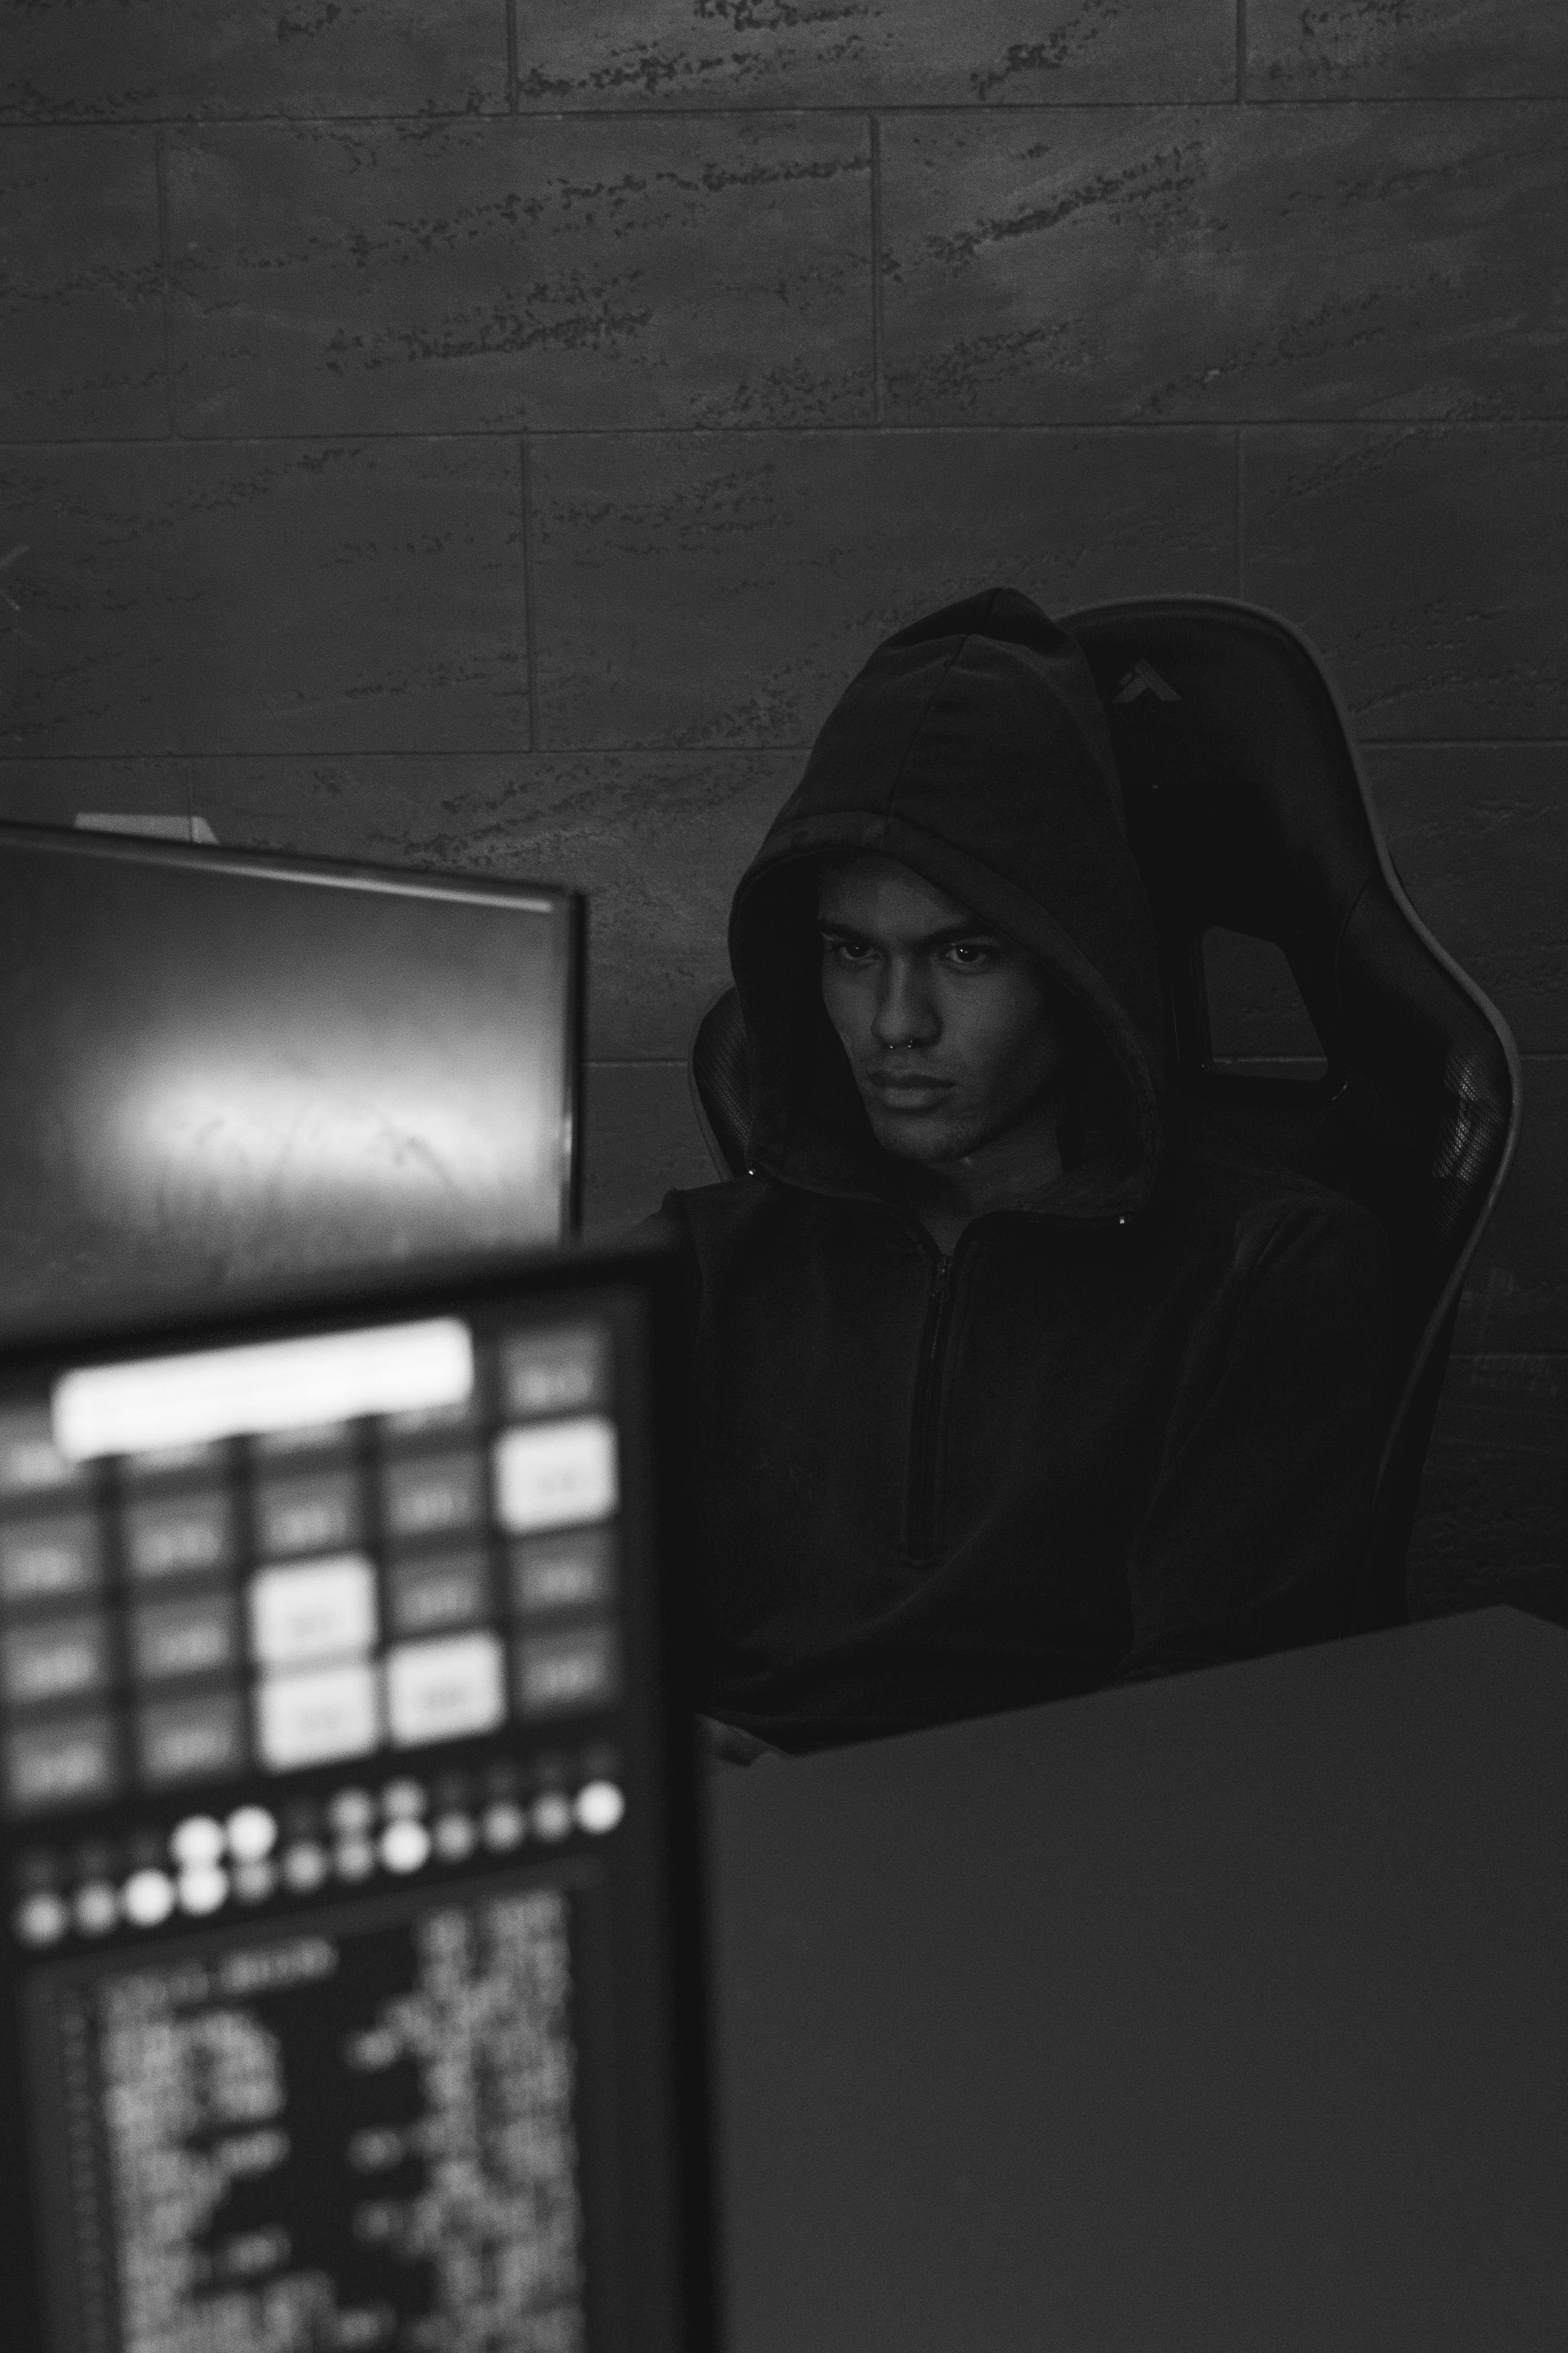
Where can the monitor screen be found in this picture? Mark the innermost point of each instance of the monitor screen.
(347, 1805)
(221, 1070)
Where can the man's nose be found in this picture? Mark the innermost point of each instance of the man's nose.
(906, 1011)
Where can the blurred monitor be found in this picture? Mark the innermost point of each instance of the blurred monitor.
(221, 1070)
(350, 1951)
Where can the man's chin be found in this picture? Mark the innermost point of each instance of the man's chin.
(926, 1137)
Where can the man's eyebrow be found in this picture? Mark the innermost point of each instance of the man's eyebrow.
(952, 933)
(950, 936)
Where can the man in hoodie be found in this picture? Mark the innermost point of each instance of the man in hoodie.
(1001, 1391)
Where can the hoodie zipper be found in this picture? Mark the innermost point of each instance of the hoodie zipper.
(924, 1447)
(925, 1440)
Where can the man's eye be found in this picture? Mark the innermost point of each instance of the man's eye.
(970, 954)
(848, 950)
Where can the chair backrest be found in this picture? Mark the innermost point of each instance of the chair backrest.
(1247, 812)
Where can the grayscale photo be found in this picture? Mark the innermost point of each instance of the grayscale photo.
(783, 1244)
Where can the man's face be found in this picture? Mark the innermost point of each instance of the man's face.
(953, 1032)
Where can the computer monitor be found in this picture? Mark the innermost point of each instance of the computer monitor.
(350, 1972)
(219, 1069)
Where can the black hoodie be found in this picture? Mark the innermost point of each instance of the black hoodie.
(1131, 1424)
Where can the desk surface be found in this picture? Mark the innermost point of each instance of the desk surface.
(1230, 2011)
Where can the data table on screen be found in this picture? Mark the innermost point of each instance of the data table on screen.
(358, 2134)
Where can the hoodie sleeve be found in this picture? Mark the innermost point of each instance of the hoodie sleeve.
(1254, 1536)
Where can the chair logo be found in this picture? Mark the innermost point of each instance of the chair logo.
(1144, 679)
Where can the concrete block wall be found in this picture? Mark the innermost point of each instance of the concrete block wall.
(487, 436)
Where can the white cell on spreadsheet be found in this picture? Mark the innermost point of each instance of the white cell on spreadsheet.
(444, 1690)
(557, 1474)
(318, 1714)
(313, 1610)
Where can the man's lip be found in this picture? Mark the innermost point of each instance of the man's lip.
(908, 1082)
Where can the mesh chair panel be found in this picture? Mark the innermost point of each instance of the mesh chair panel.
(720, 1083)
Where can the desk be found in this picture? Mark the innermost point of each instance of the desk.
(1224, 2014)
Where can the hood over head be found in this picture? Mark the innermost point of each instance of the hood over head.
(973, 748)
